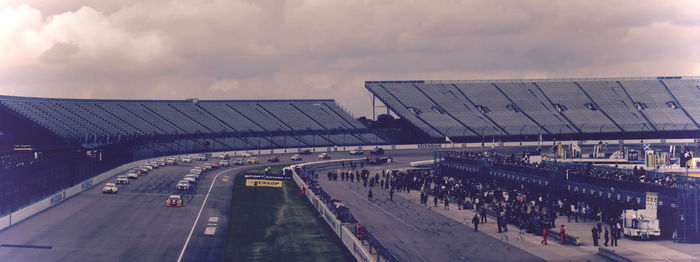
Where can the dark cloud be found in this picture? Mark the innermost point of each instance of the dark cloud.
(246, 49)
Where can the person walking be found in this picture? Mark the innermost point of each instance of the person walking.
(562, 234)
(391, 194)
(504, 223)
(544, 236)
(369, 195)
(614, 235)
(475, 221)
(435, 200)
(606, 236)
(447, 203)
(483, 214)
(594, 234)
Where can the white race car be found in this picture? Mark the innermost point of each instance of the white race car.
(183, 185)
(190, 178)
(110, 188)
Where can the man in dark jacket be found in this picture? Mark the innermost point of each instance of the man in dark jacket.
(606, 236)
(594, 234)
(475, 221)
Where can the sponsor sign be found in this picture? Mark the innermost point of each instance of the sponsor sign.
(429, 146)
(267, 177)
(263, 183)
(58, 198)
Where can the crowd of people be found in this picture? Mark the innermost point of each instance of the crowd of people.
(582, 172)
(12, 160)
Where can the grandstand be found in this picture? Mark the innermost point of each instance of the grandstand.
(571, 108)
(101, 122)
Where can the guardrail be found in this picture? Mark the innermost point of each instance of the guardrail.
(341, 220)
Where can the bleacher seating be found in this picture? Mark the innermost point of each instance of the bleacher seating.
(553, 106)
(92, 120)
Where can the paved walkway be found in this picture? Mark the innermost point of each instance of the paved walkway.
(637, 250)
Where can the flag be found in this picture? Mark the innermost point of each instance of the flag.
(447, 139)
(575, 147)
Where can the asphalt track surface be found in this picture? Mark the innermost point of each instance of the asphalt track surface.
(413, 232)
(134, 224)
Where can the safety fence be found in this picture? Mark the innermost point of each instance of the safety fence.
(361, 243)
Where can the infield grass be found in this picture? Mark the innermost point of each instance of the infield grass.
(277, 224)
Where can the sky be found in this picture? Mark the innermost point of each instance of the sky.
(295, 49)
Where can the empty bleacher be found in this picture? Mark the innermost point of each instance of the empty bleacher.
(555, 106)
(274, 123)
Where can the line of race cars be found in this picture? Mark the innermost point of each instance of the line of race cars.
(185, 184)
(135, 173)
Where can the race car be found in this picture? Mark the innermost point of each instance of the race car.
(171, 161)
(253, 160)
(296, 158)
(305, 151)
(273, 159)
(196, 171)
(247, 154)
(356, 152)
(132, 175)
(173, 201)
(324, 156)
(110, 188)
(238, 161)
(190, 178)
(223, 156)
(377, 151)
(207, 166)
(215, 165)
(187, 159)
(122, 180)
(183, 185)
(223, 163)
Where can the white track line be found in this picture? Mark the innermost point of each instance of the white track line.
(200, 213)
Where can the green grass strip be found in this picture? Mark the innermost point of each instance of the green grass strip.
(277, 224)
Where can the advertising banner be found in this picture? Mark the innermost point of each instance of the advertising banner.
(263, 183)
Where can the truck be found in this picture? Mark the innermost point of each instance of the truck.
(642, 223)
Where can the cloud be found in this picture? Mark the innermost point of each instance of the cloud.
(273, 49)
